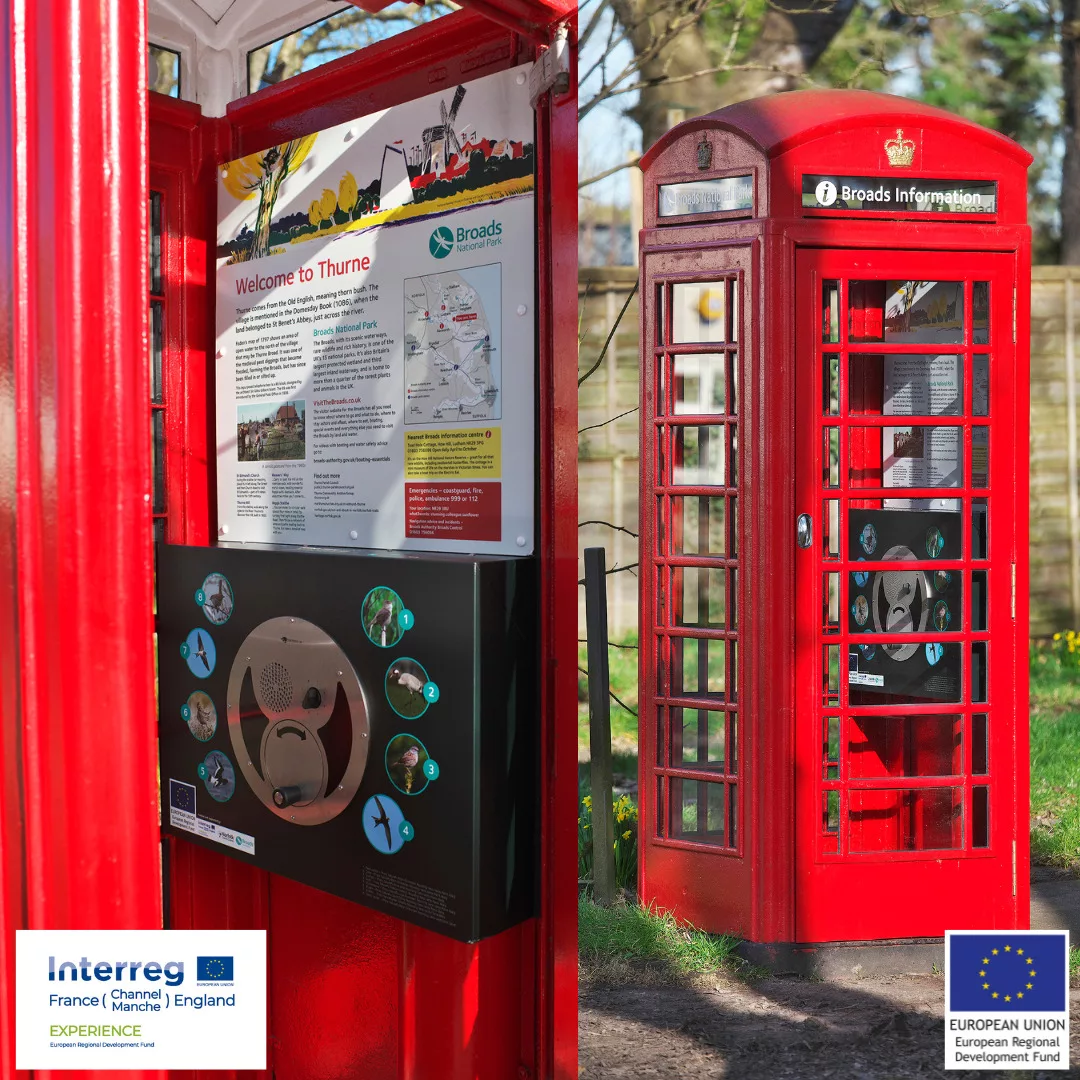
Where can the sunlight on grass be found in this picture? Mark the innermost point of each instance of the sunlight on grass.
(630, 933)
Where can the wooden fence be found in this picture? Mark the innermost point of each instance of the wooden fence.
(608, 449)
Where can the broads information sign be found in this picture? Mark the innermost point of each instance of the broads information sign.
(375, 365)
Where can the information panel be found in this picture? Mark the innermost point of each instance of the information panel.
(376, 329)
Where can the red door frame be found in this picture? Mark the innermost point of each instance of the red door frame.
(75, 523)
(915, 892)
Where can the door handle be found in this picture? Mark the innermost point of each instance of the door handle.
(804, 531)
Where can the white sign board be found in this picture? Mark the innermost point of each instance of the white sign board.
(376, 330)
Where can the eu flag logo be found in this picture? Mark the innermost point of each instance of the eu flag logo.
(213, 968)
(1003, 972)
(181, 796)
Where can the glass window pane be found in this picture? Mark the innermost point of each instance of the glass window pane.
(701, 597)
(909, 601)
(164, 71)
(700, 384)
(924, 819)
(980, 312)
(733, 742)
(661, 384)
(979, 534)
(157, 348)
(906, 535)
(157, 445)
(979, 600)
(659, 315)
(830, 311)
(733, 823)
(698, 456)
(978, 671)
(697, 811)
(830, 531)
(698, 525)
(830, 389)
(830, 594)
(906, 457)
(980, 457)
(904, 746)
(697, 667)
(155, 242)
(916, 672)
(980, 745)
(831, 748)
(699, 312)
(831, 811)
(907, 384)
(980, 389)
(661, 736)
(906, 311)
(661, 596)
(980, 817)
(830, 457)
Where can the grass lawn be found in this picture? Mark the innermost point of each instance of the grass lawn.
(1055, 763)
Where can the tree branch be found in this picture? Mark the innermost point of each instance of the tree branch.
(604, 423)
(618, 701)
(617, 528)
(603, 351)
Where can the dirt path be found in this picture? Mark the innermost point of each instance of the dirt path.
(880, 1028)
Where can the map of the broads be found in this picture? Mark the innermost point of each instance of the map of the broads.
(452, 365)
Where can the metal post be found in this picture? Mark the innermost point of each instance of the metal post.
(599, 726)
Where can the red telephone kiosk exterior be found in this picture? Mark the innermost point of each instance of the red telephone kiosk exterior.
(834, 511)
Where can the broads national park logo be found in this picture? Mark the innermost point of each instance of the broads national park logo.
(425, 158)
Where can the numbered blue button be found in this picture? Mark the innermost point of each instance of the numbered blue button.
(185, 649)
(200, 597)
(431, 769)
(185, 712)
(202, 770)
(431, 693)
(405, 619)
(406, 830)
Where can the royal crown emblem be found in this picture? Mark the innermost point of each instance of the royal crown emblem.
(704, 154)
(901, 151)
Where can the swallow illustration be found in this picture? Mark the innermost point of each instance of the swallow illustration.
(384, 821)
(200, 652)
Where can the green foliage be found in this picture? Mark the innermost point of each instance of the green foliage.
(624, 816)
(996, 63)
(646, 935)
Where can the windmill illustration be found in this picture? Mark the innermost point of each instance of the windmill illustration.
(441, 139)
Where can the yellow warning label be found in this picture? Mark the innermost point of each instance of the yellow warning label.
(453, 455)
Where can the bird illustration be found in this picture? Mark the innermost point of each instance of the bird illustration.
(220, 601)
(382, 619)
(407, 680)
(409, 758)
(200, 652)
(384, 821)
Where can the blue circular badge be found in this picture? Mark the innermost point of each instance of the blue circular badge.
(382, 824)
(200, 653)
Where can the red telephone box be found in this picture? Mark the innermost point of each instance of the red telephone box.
(351, 992)
(834, 508)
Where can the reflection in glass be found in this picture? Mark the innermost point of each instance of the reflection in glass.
(978, 671)
(923, 819)
(920, 745)
(700, 384)
(906, 311)
(980, 457)
(701, 735)
(661, 736)
(831, 597)
(979, 535)
(157, 442)
(698, 525)
(157, 350)
(979, 600)
(980, 817)
(831, 810)
(830, 533)
(832, 747)
(659, 314)
(733, 742)
(699, 312)
(980, 745)
(698, 456)
(831, 457)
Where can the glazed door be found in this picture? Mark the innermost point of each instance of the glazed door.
(905, 750)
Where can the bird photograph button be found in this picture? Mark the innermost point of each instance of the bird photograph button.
(406, 685)
(218, 776)
(199, 652)
(215, 598)
(406, 764)
(381, 613)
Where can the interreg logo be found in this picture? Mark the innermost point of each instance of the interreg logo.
(441, 242)
(114, 971)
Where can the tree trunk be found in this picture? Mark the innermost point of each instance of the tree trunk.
(791, 41)
(1070, 171)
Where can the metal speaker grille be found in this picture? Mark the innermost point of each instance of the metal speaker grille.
(276, 686)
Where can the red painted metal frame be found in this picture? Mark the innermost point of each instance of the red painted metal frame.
(407, 1003)
(775, 140)
(76, 850)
